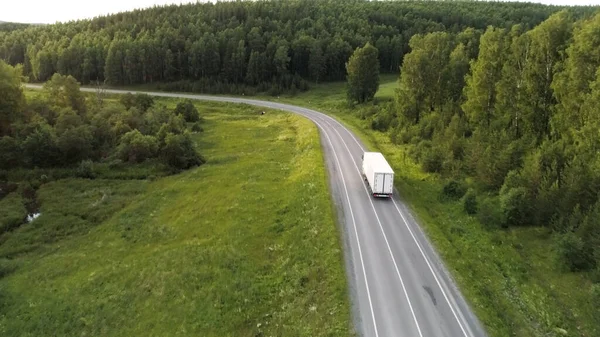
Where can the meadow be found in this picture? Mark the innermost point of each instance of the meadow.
(244, 245)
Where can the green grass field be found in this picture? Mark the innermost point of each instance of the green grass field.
(245, 245)
(509, 277)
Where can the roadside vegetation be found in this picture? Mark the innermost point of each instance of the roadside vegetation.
(504, 179)
(245, 244)
(487, 111)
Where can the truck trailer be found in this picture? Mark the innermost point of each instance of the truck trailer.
(378, 174)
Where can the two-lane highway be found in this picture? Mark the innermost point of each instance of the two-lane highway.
(398, 283)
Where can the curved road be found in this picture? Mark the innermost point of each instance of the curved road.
(399, 285)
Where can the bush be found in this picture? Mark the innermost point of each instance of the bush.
(76, 144)
(141, 101)
(135, 147)
(470, 202)
(176, 125)
(179, 152)
(86, 169)
(515, 206)
(187, 110)
(433, 160)
(10, 153)
(453, 190)
(197, 128)
(382, 120)
(489, 214)
(41, 149)
(573, 254)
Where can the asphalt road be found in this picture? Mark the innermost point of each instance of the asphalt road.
(399, 286)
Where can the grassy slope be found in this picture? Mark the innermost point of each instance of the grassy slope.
(509, 277)
(245, 244)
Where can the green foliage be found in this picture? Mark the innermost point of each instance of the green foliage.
(490, 213)
(75, 144)
(424, 79)
(573, 253)
(41, 148)
(203, 41)
(10, 153)
(188, 111)
(142, 102)
(470, 205)
(175, 125)
(363, 74)
(11, 97)
(432, 159)
(454, 190)
(156, 242)
(480, 90)
(196, 127)
(63, 92)
(136, 147)
(86, 169)
(515, 205)
(507, 272)
(179, 152)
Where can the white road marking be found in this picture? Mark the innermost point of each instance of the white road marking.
(412, 235)
(431, 269)
(355, 229)
(386, 240)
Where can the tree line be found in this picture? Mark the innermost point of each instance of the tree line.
(61, 128)
(515, 110)
(241, 46)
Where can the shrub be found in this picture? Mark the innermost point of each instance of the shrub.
(573, 254)
(41, 148)
(86, 169)
(135, 147)
(489, 214)
(515, 206)
(197, 128)
(179, 152)
(453, 190)
(176, 125)
(432, 160)
(187, 110)
(76, 144)
(10, 153)
(141, 101)
(382, 120)
(470, 202)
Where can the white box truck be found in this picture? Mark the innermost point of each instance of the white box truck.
(378, 174)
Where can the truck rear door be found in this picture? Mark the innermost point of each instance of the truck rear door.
(388, 184)
(379, 183)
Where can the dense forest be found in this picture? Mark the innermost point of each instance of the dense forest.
(242, 47)
(512, 119)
